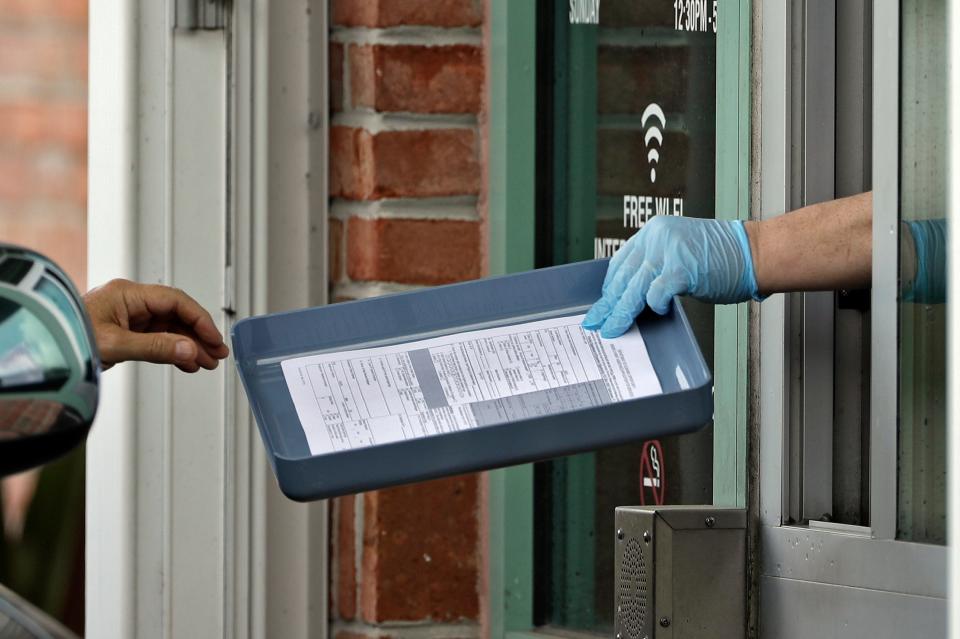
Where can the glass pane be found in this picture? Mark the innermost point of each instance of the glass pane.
(626, 130)
(922, 436)
(29, 355)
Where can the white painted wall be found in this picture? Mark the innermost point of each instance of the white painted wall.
(200, 165)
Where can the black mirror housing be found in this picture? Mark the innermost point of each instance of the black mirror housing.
(49, 366)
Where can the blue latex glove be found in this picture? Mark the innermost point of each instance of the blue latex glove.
(708, 259)
(929, 285)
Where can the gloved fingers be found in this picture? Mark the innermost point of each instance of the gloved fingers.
(662, 290)
(597, 314)
(617, 278)
(624, 264)
(630, 302)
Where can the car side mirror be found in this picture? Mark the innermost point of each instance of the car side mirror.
(49, 367)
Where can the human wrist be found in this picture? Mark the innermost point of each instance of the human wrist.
(753, 228)
(928, 285)
(746, 235)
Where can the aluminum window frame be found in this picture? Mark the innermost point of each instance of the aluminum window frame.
(803, 559)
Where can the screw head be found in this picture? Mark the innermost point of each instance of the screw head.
(710, 522)
(619, 636)
(620, 533)
(646, 536)
(664, 622)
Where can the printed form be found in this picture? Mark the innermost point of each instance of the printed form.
(358, 398)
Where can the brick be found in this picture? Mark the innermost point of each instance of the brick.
(419, 79)
(26, 125)
(43, 129)
(336, 77)
(346, 558)
(629, 78)
(73, 12)
(43, 54)
(421, 552)
(47, 176)
(14, 180)
(363, 80)
(413, 251)
(393, 13)
(63, 239)
(428, 163)
(351, 163)
(336, 262)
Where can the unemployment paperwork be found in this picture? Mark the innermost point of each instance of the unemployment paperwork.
(358, 398)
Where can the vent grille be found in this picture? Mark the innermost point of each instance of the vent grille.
(13, 269)
(633, 590)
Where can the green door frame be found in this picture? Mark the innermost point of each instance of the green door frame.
(511, 207)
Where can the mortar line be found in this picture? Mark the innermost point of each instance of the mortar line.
(346, 82)
(425, 629)
(358, 528)
(377, 122)
(457, 209)
(363, 290)
(408, 35)
(335, 559)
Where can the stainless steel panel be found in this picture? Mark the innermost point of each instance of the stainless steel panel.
(819, 132)
(794, 609)
(774, 185)
(884, 340)
(830, 557)
(854, 104)
(953, 292)
(817, 436)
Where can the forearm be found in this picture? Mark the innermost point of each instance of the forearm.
(825, 246)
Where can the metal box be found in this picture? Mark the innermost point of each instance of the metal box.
(680, 572)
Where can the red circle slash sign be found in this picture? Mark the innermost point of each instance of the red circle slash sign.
(653, 476)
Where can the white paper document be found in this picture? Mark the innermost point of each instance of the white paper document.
(359, 398)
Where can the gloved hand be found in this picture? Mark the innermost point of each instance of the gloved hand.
(929, 285)
(708, 259)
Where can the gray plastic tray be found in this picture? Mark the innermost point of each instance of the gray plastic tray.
(261, 343)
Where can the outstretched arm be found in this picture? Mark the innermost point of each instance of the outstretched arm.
(824, 246)
(820, 247)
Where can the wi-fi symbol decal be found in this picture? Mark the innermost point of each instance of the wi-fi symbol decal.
(654, 132)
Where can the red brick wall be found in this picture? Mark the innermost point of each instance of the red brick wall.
(43, 129)
(407, 82)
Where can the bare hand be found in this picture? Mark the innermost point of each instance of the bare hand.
(153, 323)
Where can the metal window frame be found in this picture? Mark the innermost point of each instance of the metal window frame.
(842, 571)
(953, 322)
(884, 370)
